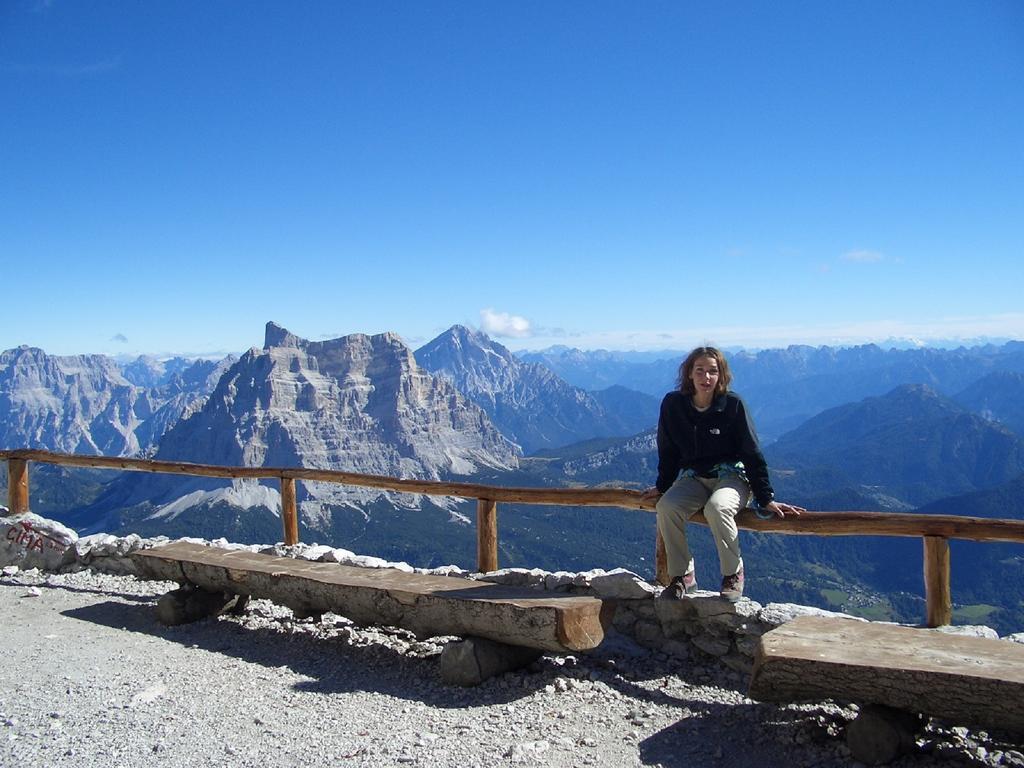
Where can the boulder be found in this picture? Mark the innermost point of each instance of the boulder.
(476, 659)
(30, 541)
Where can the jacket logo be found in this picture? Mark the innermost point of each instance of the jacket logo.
(715, 431)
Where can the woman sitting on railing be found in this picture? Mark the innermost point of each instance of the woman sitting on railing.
(708, 457)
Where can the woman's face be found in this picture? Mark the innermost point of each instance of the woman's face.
(704, 376)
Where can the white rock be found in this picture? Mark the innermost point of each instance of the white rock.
(520, 753)
(776, 614)
(316, 553)
(31, 541)
(621, 584)
(968, 630)
(342, 556)
(558, 580)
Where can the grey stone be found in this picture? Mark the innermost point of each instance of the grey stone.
(676, 648)
(187, 604)
(621, 584)
(747, 643)
(447, 570)
(648, 634)
(316, 552)
(516, 577)
(559, 580)
(476, 659)
(337, 556)
(967, 630)
(31, 541)
(738, 662)
(712, 644)
(624, 619)
(1016, 637)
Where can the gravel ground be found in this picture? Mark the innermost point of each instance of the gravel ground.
(90, 678)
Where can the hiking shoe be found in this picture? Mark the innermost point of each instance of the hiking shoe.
(732, 587)
(680, 586)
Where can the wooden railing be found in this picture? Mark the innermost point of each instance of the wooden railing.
(935, 530)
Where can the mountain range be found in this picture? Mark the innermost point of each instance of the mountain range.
(87, 404)
(464, 406)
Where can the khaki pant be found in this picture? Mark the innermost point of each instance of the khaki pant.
(721, 499)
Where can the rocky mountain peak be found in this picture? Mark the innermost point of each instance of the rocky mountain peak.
(276, 336)
(526, 400)
(359, 403)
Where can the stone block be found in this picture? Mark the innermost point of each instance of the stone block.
(624, 619)
(712, 645)
(738, 662)
(747, 643)
(558, 580)
(621, 584)
(648, 634)
(187, 604)
(476, 659)
(676, 648)
(31, 541)
(516, 577)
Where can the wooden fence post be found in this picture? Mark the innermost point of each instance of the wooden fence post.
(289, 511)
(937, 594)
(486, 535)
(660, 559)
(17, 486)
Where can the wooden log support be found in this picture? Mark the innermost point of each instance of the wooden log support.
(486, 535)
(938, 595)
(427, 605)
(966, 680)
(17, 486)
(289, 511)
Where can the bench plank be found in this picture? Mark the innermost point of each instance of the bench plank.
(427, 605)
(968, 680)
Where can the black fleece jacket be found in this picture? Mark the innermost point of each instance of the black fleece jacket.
(698, 440)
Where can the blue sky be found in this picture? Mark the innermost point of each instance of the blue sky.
(619, 175)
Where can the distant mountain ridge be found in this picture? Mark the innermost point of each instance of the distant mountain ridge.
(911, 444)
(85, 404)
(998, 397)
(784, 387)
(527, 401)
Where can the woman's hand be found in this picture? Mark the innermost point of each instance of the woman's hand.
(782, 509)
(651, 494)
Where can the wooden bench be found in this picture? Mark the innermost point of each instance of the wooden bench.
(427, 605)
(966, 680)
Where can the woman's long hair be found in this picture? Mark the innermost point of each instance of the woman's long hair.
(685, 383)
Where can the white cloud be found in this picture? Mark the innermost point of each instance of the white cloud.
(503, 324)
(862, 256)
